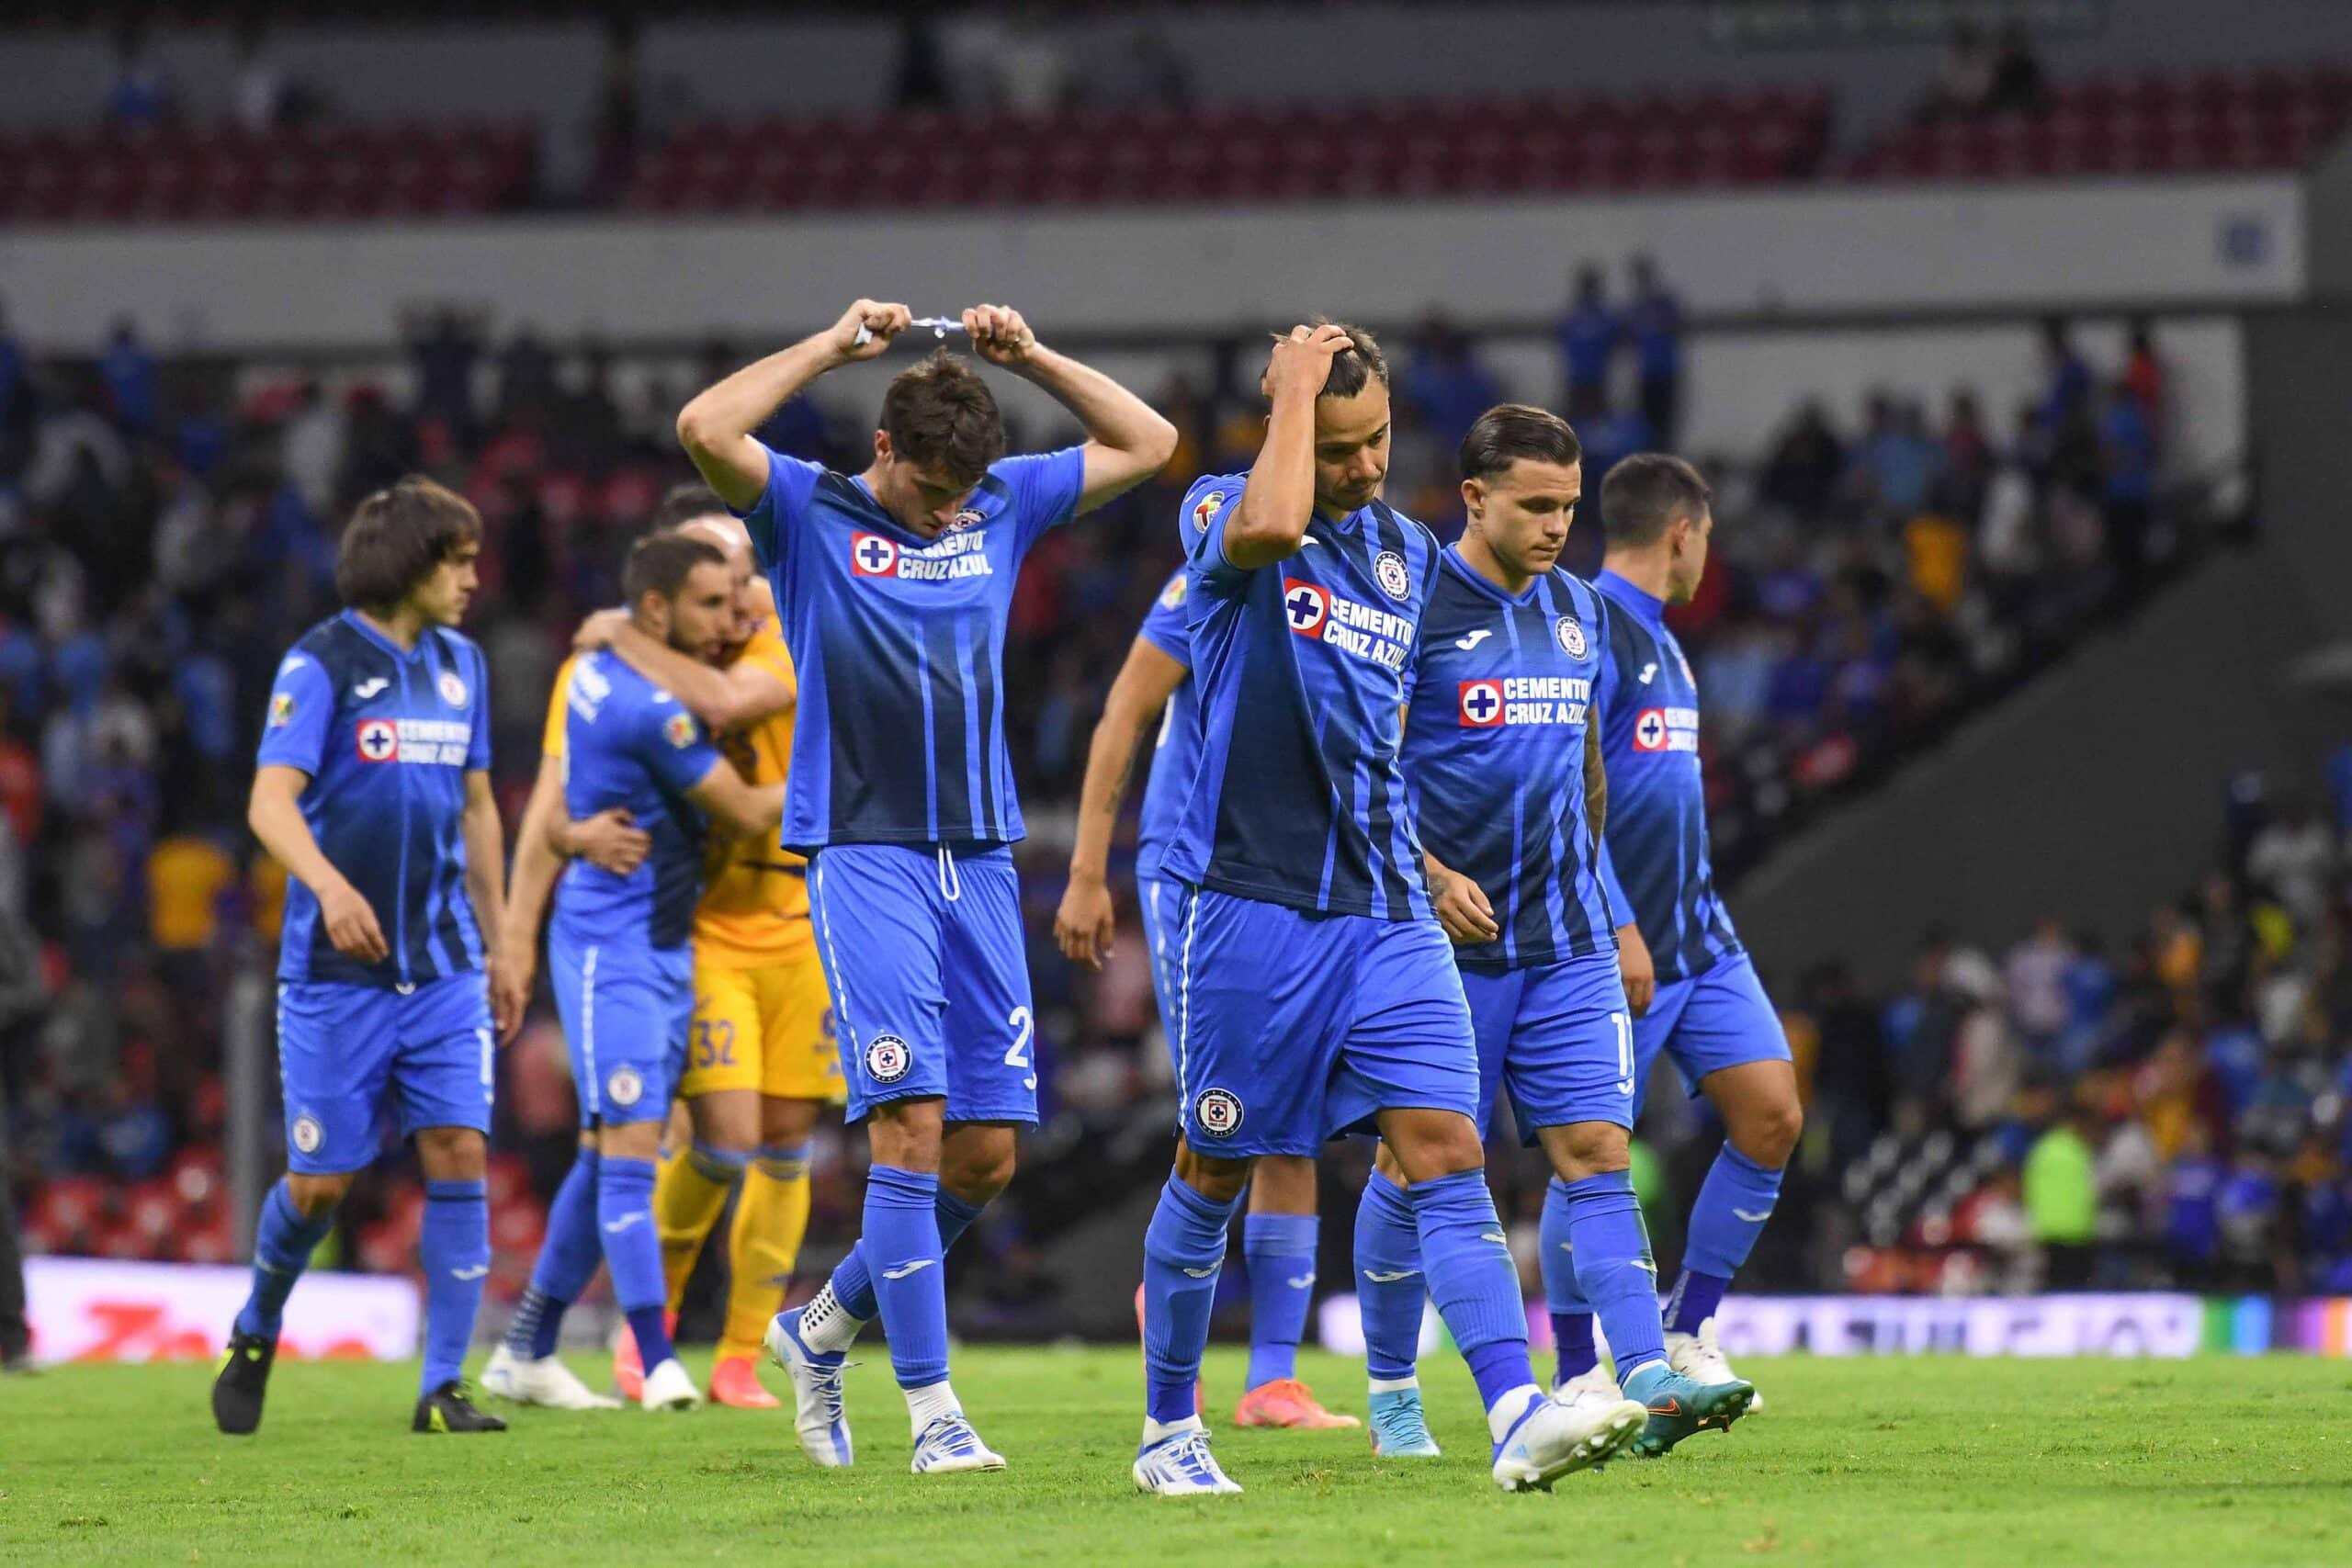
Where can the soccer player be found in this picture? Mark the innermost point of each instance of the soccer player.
(1316, 992)
(1693, 990)
(1280, 1236)
(894, 587)
(618, 952)
(372, 788)
(1504, 763)
(761, 1066)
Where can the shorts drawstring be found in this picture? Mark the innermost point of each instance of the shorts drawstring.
(951, 885)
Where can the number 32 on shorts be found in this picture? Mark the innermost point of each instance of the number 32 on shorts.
(1024, 1029)
(714, 1042)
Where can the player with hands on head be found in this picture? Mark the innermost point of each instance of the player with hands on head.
(894, 590)
(372, 788)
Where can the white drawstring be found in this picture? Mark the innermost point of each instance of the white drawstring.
(951, 885)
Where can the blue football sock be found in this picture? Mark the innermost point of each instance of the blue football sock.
(283, 1242)
(1389, 1287)
(1183, 1252)
(1734, 1203)
(1471, 1279)
(1279, 1252)
(568, 1259)
(854, 1280)
(455, 1250)
(1613, 1260)
(1571, 1314)
(904, 1242)
(633, 1252)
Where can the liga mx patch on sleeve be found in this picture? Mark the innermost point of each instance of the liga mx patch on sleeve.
(282, 710)
(678, 729)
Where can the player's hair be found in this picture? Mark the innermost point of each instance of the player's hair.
(397, 538)
(660, 563)
(939, 412)
(1508, 431)
(1351, 373)
(684, 504)
(1645, 492)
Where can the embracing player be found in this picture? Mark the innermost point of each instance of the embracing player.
(1280, 1236)
(373, 790)
(894, 587)
(1503, 759)
(1695, 990)
(619, 957)
(1316, 992)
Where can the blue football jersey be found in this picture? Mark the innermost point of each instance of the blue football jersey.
(628, 743)
(1656, 826)
(1297, 799)
(1501, 692)
(388, 736)
(1177, 752)
(899, 643)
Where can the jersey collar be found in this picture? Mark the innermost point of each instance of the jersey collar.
(1643, 603)
(351, 619)
(1479, 581)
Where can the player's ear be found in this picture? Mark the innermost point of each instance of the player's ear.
(881, 445)
(1473, 496)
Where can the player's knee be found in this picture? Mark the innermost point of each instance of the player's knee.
(978, 1169)
(313, 1194)
(907, 1133)
(1767, 1131)
(1430, 1145)
(630, 1140)
(1589, 1148)
(453, 1153)
(1283, 1184)
(1218, 1181)
(786, 1123)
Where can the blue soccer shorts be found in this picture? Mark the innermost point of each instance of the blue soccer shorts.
(1293, 1028)
(1717, 1020)
(341, 1048)
(1558, 1037)
(924, 952)
(626, 1009)
(1160, 897)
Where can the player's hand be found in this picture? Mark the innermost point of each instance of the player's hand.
(598, 630)
(612, 840)
(351, 924)
(881, 323)
(999, 334)
(1085, 922)
(510, 995)
(1462, 908)
(1302, 361)
(1634, 962)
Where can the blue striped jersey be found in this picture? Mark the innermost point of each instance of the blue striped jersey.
(900, 642)
(386, 735)
(1177, 752)
(1657, 824)
(627, 743)
(1296, 798)
(1501, 692)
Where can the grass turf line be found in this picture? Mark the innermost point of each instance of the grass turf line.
(1863, 1461)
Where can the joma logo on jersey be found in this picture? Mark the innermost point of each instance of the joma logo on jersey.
(1359, 629)
(1524, 699)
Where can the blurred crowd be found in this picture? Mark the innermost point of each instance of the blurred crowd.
(167, 527)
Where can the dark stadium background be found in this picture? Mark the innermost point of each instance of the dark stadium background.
(2017, 360)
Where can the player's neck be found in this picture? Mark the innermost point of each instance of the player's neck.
(1647, 571)
(401, 625)
(1480, 557)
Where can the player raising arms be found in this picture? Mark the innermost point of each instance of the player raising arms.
(1504, 761)
(1280, 1237)
(622, 967)
(1316, 992)
(1695, 992)
(894, 587)
(373, 790)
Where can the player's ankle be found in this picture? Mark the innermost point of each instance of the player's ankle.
(1507, 1410)
(928, 1403)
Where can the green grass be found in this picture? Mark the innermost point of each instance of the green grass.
(2027, 1464)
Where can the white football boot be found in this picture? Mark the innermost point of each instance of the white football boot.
(545, 1382)
(667, 1387)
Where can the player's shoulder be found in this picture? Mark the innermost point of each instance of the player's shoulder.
(1208, 494)
(456, 644)
(324, 653)
(1573, 592)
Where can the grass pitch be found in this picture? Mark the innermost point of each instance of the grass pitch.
(1867, 1460)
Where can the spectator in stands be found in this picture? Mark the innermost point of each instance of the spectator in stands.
(2143, 371)
(22, 994)
(1965, 78)
(2061, 1196)
(1445, 385)
(138, 93)
(1588, 332)
(2128, 454)
(1806, 462)
(2035, 974)
(2017, 86)
(261, 97)
(12, 372)
(2066, 397)
(129, 371)
(1654, 323)
(617, 131)
(2295, 860)
(1895, 461)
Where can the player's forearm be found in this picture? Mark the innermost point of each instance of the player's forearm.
(1270, 520)
(716, 427)
(539, 861)
(277, 821)
(1595, 781)
(1110, 767)
(705, 691)
(1136, 442)
(486, 869)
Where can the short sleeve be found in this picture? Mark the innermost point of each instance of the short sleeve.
(768, 652)
(1621, 908)
(559, 706)
(1045, 488)
(1164, 625)
(1207, 507)
(1410, 676)
(478, 749)
(775, 519)
(302, 710)
(676, 747)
